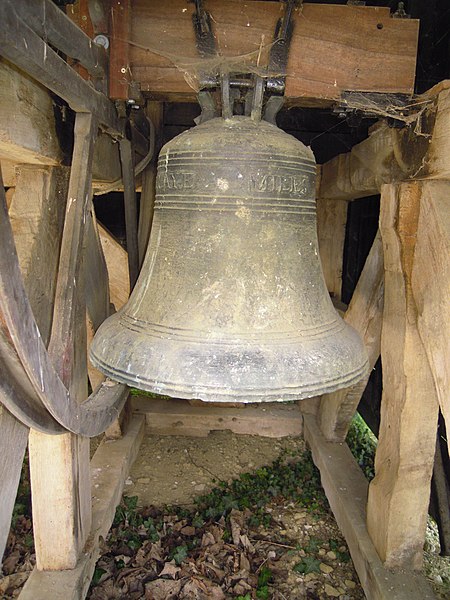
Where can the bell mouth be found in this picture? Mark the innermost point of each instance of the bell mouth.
(232, 370)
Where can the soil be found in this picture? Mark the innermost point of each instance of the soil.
(173, 471)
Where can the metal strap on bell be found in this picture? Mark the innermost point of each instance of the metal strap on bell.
(231, 303)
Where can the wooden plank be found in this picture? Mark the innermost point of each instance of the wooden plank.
(431, 285)
(131, 219)
(178, 417)
(27, 123)
(117, 264)
(23, 47)
(13, 443)
(365, 314)
(399, 495)
(110, 466)
(119, 62)
(331, 221)
(346, 489)
(365, 49)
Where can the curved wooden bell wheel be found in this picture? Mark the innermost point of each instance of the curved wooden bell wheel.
(54, 374)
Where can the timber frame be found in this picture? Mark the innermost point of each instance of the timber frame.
(51, 286)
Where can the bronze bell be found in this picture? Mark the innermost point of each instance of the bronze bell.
(231, 303)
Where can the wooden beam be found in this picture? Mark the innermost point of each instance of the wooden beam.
(119, 62)
(346, 489)
(178, 417)
(431, 285)
(399, 495)
(130, 202)
(392, 154)
(365, 314)
(331, 222)
(361, 171)
(365, 49)
(110, 466)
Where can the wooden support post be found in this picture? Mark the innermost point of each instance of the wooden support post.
(119, 63)
(131, 224)
(399, 495)
(331, 221)
(431, 291)
(431, 285)
(365, 315)
(64, 482)
(110, 466)
(155, 114)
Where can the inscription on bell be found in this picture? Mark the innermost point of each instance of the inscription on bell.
(176, 180)
(291, 184)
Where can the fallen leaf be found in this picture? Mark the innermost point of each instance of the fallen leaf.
(162, 589)
(170, 570)
(10, 563)
(208, 539)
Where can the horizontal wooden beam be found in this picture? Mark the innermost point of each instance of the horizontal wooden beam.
(346, 489)
(333, 49)
(110, 466)
(178, 417)
(420, 149)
